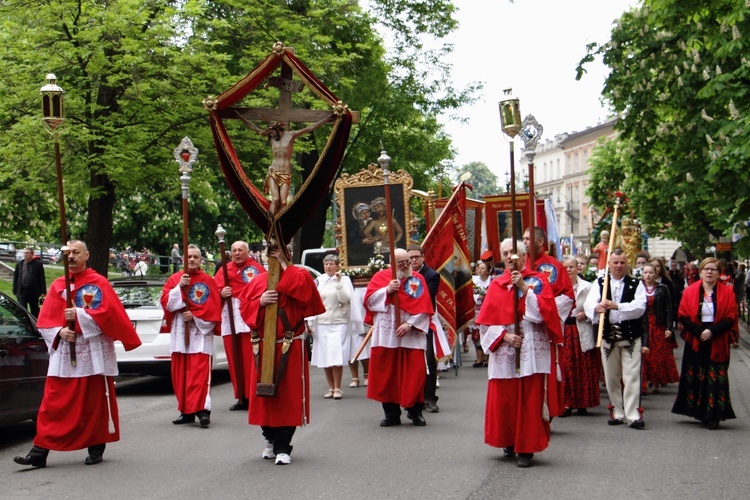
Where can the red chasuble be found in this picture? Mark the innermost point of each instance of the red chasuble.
(299, 298)
(92, 292)
(497, 307)
(413, 296)
(239, 276)
(726, 307)
(203, 298)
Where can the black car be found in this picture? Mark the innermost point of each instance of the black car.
(23, 363)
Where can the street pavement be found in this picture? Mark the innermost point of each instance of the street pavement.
(344, 453)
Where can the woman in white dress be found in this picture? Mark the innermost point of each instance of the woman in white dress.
(331, 338)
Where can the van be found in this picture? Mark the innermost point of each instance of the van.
(314, 257)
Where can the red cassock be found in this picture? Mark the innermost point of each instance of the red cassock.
(81, 411)
(397, 373)
(191, 371)
(561, 285)
(299, 298)
(513, 413)
(239, 278)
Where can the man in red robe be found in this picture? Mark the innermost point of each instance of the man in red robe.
(298, 298)
(562, 289)
(191, 302)
(516, 415)
(397, 356)
(241, 269)
(79, 408)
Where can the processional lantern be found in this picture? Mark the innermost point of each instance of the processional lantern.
(52, 103)
(510, 114)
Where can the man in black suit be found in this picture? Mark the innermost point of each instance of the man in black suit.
(29, 283)
(432, 278)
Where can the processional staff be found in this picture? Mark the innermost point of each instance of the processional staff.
(385, 161)
(531, 132)
(185, 154)
(220, 234)
(510, 119)
(605, 284)
(52, 118)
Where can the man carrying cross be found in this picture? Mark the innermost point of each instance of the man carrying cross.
(279, 176)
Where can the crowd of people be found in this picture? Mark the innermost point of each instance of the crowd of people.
(547, 336)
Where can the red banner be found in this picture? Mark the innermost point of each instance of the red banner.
(446, 251)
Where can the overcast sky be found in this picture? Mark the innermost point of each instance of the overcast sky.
(534, 47)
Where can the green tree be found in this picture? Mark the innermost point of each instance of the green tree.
(484, 182)
(135, 73)
(679, 78)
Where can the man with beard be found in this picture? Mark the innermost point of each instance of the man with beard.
(79, 408)
(191, 302)
(515, 417)
(397, 355)
(241, 269)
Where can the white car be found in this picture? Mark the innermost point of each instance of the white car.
(140, 297)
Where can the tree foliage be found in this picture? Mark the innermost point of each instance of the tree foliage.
(135, 73)
(679, 78)
(482, 180)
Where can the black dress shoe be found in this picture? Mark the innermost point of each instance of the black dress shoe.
(614, 421)
(204, 417)
(416, 419)
(431, 407)
(637, 424)
(524, 459)
(184, 418)
(33, 461)
(509, 452)
(93, 459)
(582, 412)
(241, 404)
(390, 422)
(566, 413)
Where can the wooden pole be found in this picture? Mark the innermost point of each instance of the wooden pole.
(384, 160)
(266, 385)
(514, 239)
(185, 178)
(605, 284)
(238, 361)
(64, 236)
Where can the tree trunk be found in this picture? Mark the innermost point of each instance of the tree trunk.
(99, 232)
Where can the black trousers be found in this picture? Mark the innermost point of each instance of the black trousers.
(281, 437)
(430, 383)
(30, 301)
(393, 410)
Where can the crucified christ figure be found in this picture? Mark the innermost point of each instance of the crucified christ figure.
(279, 176)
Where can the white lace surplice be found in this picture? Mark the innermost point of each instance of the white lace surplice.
(535, 349)
(201, 332)
(384, 328)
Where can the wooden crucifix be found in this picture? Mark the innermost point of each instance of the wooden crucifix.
(278, 182)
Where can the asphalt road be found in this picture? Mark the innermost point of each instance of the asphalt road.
(344, 453)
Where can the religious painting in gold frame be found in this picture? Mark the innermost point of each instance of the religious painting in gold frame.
(361, 230)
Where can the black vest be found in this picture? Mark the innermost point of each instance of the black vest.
(628, 330)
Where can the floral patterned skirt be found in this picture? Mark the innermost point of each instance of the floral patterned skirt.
(704, 386)
(658, 365)
(580, 372)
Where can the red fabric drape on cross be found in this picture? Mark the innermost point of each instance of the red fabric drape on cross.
(292, 216)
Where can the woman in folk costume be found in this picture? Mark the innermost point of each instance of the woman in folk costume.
(517, 413)
(659, 367)
(579, 360)
(332, 329)
(707, 313)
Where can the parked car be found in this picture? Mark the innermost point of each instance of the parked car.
(7, 251)
(23, 363)
(140, 297)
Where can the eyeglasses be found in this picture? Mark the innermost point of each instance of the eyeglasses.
(713, 270)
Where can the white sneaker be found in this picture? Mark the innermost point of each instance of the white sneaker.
(268, 451)
(283, 459)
